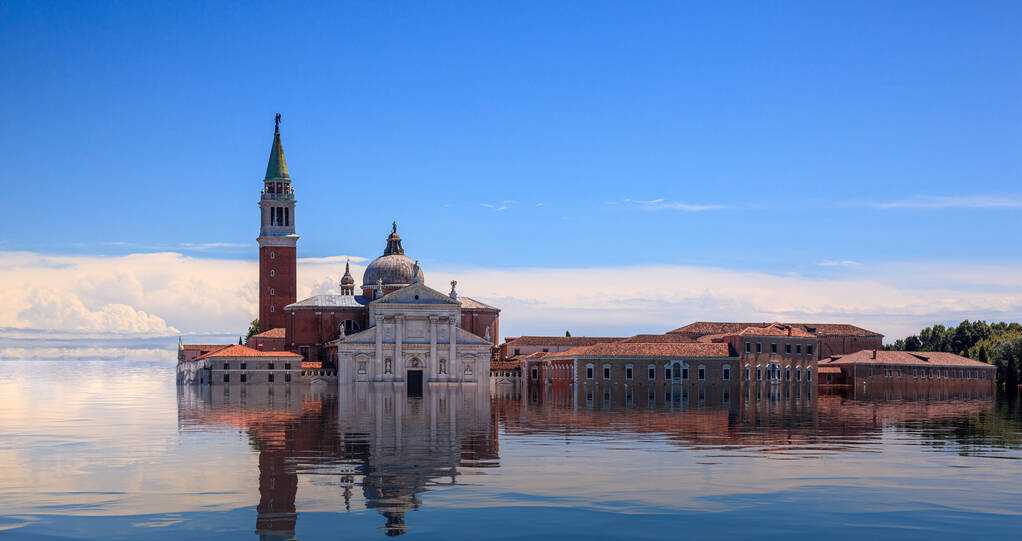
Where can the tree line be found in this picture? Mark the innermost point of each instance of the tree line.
(999, 344)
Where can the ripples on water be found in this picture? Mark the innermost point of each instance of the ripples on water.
(116, 450)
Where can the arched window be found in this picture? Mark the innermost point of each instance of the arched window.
(759, 373)
(629, 371)
(589, 371)
(701, 372)
(798, 374)
(809, 374)
(748, 373)
(787, 373)
(606, 371)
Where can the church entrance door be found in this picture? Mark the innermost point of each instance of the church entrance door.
(414, 382)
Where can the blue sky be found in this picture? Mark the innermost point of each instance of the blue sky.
(816, 140)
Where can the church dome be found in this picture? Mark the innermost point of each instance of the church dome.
(393, 268)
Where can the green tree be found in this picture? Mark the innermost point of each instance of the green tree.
(567, 333)
(253, 329)
(912, 343)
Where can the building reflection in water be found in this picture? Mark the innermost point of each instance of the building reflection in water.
(392, 448)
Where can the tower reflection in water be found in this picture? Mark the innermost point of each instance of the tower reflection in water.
(373, 439)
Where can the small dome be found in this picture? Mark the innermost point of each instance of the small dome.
(347, 279)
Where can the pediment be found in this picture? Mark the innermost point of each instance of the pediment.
(417, 294)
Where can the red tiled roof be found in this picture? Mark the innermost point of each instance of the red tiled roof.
(245, 351)
(777, 329)
(639, 349)
(312, 364)
(204, 348)
(700, 328)
(560, 340)
(829, 370)
(658, 339)
(272, 333)
(919, 358)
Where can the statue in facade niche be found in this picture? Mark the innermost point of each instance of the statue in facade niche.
(443, 366)
(387, 367)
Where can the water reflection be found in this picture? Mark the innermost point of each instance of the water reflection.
(372, 437)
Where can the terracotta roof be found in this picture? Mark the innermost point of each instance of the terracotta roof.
(658, 339)
(245, 351)
(468, 303)
(312, 364)
(560, 340)
(700, 328)
(777, 329)
(272, 333)
(639, 349)
(204, 348)
(505, 365)
(919, 358)
(829, 370)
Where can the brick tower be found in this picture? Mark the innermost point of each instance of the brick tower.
(277, 240)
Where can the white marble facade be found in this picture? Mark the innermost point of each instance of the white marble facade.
(414, 330)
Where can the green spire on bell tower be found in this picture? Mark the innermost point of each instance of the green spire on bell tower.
(276, 169)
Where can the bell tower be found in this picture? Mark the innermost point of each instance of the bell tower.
(278, 274)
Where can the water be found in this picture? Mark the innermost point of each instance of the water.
(114, 450)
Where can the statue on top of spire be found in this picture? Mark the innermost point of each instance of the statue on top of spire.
(393, 227)
(276, 123)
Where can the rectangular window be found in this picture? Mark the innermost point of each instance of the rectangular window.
(773, 348)
(518, 351)
(667, 373)
(787, 349)
(589, 372)
(244, 378)
(244, 366)
(287, 366)
(652, 373)
(870, 371)
(269, 366)
(798, 349)
(270, 378)
(227, 366)
(227, 378)
(759, 347)
(546, 350)
(809, 349)
(684, 372)
(748, 347)
(606, 372)
(628, 372)
(287, 378)
(701, 372)
(727, 373)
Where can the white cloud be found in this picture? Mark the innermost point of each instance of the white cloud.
(842, 263)
(661, 204)
(157, 296)
(946, 202)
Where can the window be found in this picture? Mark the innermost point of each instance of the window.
(798, 374)
(546, 350)
(748, 372)
(273, 291)
(535, 373)
(787, 349)
(798, 349)
(273, 255)
(518, 351)
(684, 372)
(759, 373)
(652, 372)
(244, 378)
(701, 372)
(787, 373)
(273, 273)
(809, 349)
(227, 378)
(227, 366)
(748, 347)
(606, 371)
(269, 366)
(270, 378)
(869, 371)
(759, 347)
(809, 377)
(287, 378)
(589, 371)
(726, 374)
(667, 373)
(915, 372)
(773, 348)
(271, 308)
(244, 366)
(629, 369)
(287, 366)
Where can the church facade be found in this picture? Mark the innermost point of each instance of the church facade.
(396, 328)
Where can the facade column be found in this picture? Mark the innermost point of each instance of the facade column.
(453, 366)
(399, 362)
(376, 367)
(434, 362)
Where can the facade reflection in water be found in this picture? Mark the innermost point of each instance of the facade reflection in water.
(391, 448)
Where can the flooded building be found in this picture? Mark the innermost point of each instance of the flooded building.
(240, 364)
(907, 372)
(831, 338)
